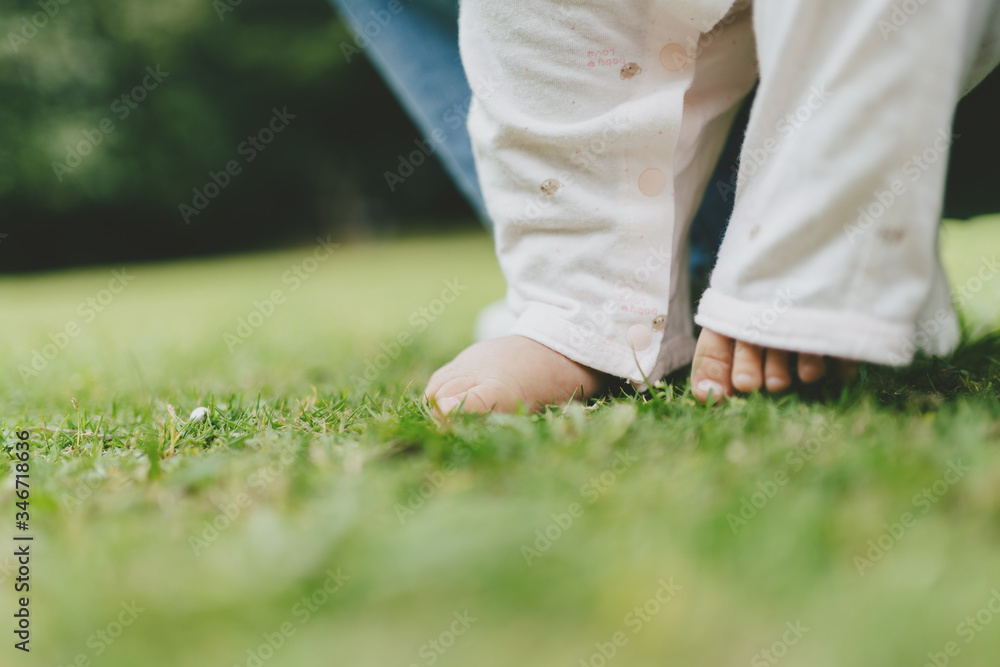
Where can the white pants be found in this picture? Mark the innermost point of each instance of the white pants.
(603, 123)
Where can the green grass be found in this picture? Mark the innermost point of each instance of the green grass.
(429, 521)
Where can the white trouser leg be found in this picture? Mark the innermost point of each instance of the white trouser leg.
(592, 165)
(832, 248)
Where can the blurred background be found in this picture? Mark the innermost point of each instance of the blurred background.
(220, 70)
(116, 113)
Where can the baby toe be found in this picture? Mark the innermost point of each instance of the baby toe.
(812, 367)
(747, 367)
(711, 369)
(777, 374)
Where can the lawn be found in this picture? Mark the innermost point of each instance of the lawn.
(316, 515)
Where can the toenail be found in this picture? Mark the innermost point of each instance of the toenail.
(446, 405)
(743, 380)
(775, 384)
(706, 386)
(639, 337)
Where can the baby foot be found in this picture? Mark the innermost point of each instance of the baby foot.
(503, 373)
(723, 366)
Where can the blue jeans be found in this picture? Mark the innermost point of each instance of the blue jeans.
(416, 52)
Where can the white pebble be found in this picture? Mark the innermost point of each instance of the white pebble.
(198, 414)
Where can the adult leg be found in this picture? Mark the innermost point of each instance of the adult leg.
(414, 46)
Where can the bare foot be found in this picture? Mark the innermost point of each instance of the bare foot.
(723, 366)
(504, 373)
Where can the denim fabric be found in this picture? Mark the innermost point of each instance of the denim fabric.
(416, 52)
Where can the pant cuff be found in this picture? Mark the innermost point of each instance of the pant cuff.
(848, 335)
(635, 358)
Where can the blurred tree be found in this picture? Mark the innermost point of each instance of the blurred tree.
(115, 113)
